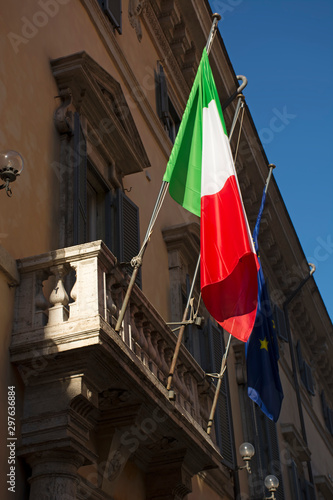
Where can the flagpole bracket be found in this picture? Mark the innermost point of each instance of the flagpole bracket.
(214, 375)
(237, 93)
(136, 261)
(171, 395)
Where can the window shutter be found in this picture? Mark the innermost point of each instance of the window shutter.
(305, 371)
(223, 417)
(112, 8)
(309, 384)
(109, 222)
(330, 420)
(162, 96)
(327, 413)
(309, 491)
(128, 232)
(256, 479)
(294, 480)
(280, 323)
(80, 183)
(300, 359)
(274, 457)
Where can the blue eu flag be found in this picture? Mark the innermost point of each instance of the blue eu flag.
(262, 352)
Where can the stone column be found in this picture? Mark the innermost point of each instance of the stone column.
(54, 475)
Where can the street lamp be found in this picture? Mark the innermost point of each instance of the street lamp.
(11, 166)
(272, 484)
(246, 451)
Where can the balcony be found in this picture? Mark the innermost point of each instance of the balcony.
(95, 399)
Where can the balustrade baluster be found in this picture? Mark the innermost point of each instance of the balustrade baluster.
(41, 304)
(58, 312)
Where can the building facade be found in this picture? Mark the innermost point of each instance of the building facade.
(91, 94)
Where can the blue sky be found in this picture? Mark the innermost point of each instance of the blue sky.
(285, 49)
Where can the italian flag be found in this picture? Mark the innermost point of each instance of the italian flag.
(202, 178)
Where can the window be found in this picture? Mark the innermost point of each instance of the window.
(165, 108)
(295, 481)
(267, 452)
(261, 432)
(301, 488)
(328, 413)
(204, 342)
(210, 358)
(280, 323)
(112, 9)
(101, 212)
(98, 147)
(174, 122)
(305, 371)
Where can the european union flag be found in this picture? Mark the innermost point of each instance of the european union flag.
(262, 352)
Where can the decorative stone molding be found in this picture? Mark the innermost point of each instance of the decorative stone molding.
(183, 245)
(8, 267)
(170, 63)
(135, 8)
(99, 97)
(64, 114)
(297, 447)
(324, 484)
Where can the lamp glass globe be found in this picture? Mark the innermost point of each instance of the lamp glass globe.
(246, 450)
(11, 160)
(271, 483)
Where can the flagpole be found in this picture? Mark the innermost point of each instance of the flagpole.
(218, 386)
(212, 33)
(136, 262)
(271, 167)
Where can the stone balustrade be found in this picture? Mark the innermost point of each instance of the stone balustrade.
(78, 292)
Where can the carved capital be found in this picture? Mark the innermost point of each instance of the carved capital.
(54, 472)
(63, 115)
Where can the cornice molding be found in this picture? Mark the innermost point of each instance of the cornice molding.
(99, 97)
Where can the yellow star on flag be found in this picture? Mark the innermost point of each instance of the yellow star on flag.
(264, 344)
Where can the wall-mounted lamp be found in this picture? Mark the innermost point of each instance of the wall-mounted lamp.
(246, 451)
(272, 484)
(11, 166)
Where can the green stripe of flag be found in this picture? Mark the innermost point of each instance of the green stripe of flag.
(183, 170)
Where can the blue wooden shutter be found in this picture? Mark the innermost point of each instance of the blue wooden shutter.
(162, 96)
(223, 416)
(309, 491)
(327, 413)
(295, 482)
(274, 464)
(128, 231)
(112, 9)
